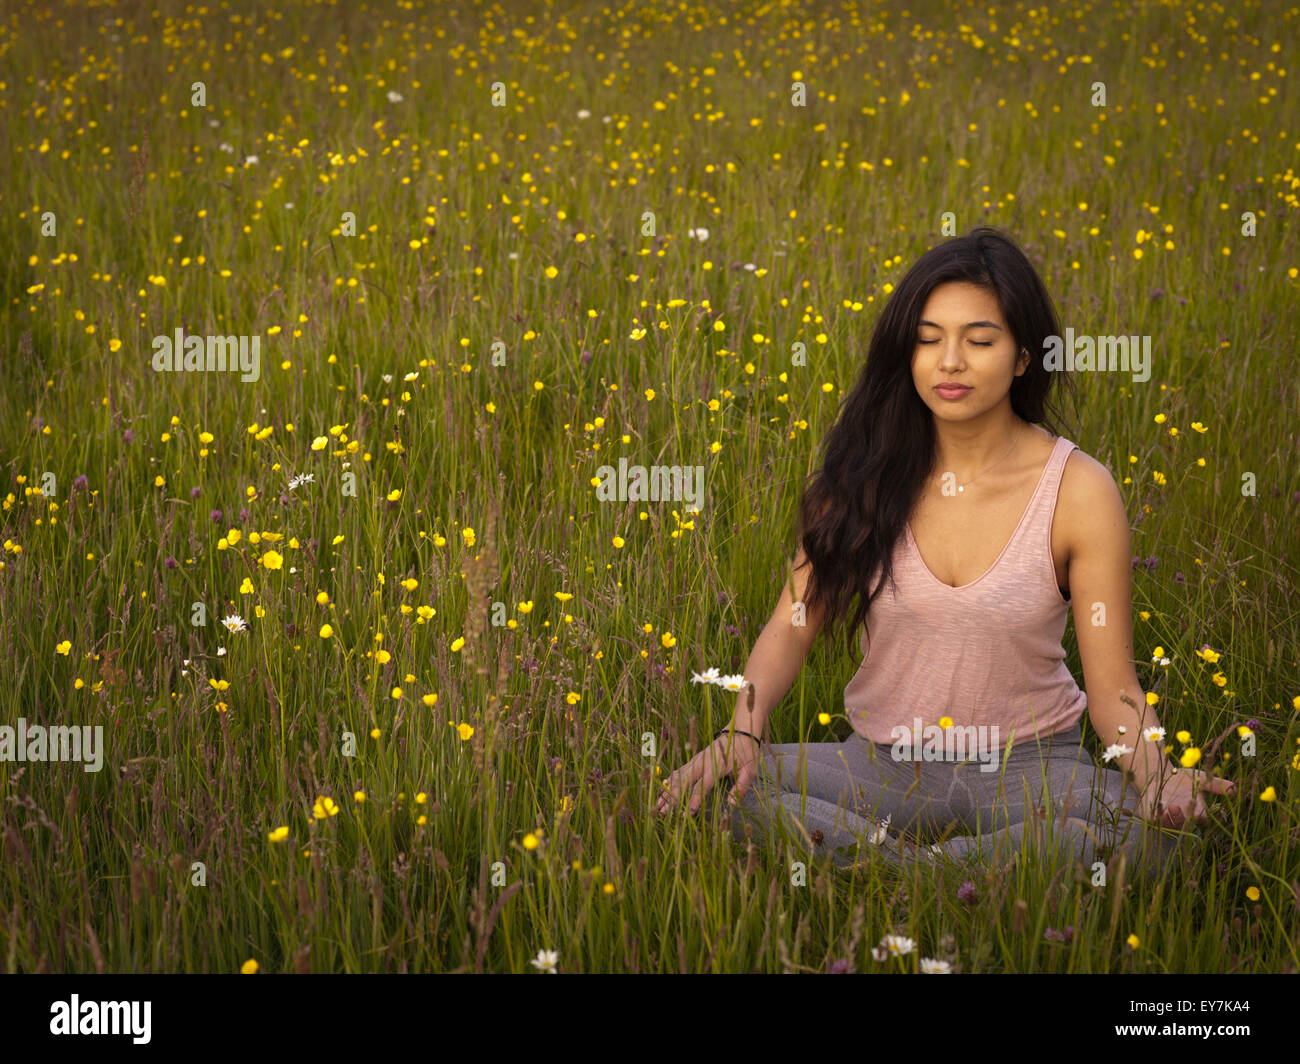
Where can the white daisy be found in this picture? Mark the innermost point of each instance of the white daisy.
(584, 113)
(929, 966)
(546, 960)
(394, 96)
(893, 946)
(1153, 735)
(1116, 750)
(731, 683)
(698, 234)
(233, 623)
(250, 160)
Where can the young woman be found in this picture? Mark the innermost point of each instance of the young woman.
(955, 531)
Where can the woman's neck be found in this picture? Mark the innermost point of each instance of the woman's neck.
(968, 450)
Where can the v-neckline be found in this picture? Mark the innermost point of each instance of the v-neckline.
(916, 549)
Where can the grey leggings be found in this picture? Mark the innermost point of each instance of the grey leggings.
(835, 801)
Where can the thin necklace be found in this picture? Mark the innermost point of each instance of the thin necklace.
(1014, 440)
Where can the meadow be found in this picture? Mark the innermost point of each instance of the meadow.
(383, 685)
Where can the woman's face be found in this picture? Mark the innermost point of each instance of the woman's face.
(963, 339)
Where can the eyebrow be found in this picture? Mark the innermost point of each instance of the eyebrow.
(968, 325)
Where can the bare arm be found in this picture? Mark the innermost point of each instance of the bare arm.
(779, 652)
(775, 661)
(1100, 585)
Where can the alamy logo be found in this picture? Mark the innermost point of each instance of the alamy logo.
(35, 742)
(656, 484)
(1110, 353)
(101, 1017)
(934, 742)
(193, 354)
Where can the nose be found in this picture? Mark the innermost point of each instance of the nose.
(950, 356)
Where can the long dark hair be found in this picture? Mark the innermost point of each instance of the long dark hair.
(880, 449)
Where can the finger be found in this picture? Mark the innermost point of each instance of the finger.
(667, 802)
(1199, 812)
(707, 779)
(744, 780)
(699, 791)
(681, 779)
(668, 793)
(735, 794)
(1171, 815)
(1213, 784)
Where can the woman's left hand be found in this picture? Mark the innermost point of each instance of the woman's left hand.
(1181, 798)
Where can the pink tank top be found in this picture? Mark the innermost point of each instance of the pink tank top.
(985, 653)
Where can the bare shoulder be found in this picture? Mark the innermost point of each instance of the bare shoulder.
(1089, 503)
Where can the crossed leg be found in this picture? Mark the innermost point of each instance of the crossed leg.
(851, 799)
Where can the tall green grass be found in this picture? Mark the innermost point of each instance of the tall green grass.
(529, 228)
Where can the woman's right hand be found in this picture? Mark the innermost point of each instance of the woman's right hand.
(730, 754)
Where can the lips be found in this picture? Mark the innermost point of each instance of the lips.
(952, 391)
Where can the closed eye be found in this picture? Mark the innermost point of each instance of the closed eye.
(977, 343)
